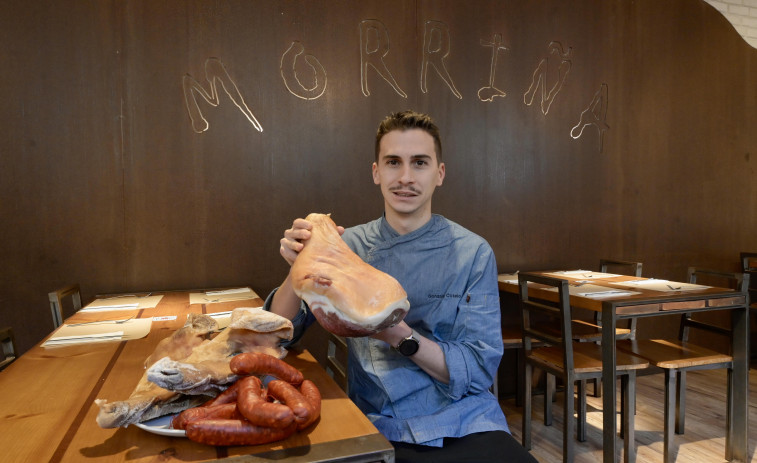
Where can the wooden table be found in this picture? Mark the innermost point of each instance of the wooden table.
(650, 303)
(48, 412)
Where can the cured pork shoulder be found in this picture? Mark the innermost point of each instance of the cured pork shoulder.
(148, 400)
(206, 370)
(347, 296)
(196, 365)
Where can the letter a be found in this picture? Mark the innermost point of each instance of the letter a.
(595, 114)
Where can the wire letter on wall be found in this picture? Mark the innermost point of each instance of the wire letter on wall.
(435, 50)
(216, 74)
(595, 114)
(374, 46)
(539, 78)
(489, 92)
(289, 74)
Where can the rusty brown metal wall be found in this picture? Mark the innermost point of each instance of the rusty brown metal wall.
(572, 130)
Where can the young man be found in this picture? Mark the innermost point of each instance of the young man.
(424, 382)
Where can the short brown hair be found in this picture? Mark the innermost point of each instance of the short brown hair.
(406, 120)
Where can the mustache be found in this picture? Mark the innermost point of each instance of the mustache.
(405, 188)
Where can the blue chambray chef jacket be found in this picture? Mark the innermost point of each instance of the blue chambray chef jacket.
(450, 276)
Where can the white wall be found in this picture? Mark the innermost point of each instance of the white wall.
(742, 14)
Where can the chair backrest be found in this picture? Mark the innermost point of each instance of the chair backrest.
(736, 281)
(749, 267)
(623, 267)
(57, 302)
(8, 342)
(540, 317)
(628, 267)
(337, 353)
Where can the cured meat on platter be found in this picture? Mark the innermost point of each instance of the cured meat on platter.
(348, 296)
(189, 367)
(206, 370)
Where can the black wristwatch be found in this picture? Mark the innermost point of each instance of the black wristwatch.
(409, 346)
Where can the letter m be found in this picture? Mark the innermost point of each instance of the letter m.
(216, 74)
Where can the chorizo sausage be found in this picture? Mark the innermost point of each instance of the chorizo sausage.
(225, 397)
(189, 415)
(292, 398)
(312, 394)
(235, 432)
(257, 410)
(257, 363)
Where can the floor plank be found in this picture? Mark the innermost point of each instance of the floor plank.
(703, 441)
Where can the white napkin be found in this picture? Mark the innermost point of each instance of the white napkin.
(106, 307)
(227, 291)
(605, 294)
(662, 285)
(86, 338)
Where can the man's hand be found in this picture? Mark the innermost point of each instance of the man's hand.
(429, 356)
(292, 242)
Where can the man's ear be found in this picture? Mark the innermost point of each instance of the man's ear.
(442, 173)
(376, 176)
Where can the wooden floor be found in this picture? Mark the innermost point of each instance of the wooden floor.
(703, 441)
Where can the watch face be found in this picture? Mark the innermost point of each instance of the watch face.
(408, 347)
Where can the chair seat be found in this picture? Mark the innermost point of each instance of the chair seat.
(587, 359)
(512, 337)
(673, 354)
(586, 331)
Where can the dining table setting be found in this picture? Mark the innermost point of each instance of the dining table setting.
(54, 392)
(621, 297)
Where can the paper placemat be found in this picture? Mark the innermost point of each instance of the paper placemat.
(223, 318)
(100, 331)
(595, 291)
(227, 295)
(583, 274)
(661, 285)
(510, 278)
(123, 303)
(598, 292)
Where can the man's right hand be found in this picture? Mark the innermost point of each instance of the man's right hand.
(292, 242)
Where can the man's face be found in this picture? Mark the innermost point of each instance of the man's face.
(408, 172)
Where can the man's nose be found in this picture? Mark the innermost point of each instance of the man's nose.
(407, 175)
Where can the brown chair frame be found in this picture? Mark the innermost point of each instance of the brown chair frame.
(749, 267)
(629, 268)
(337, 354)
(678, 356)
(573, 362)
(8, 342)
(56, 302)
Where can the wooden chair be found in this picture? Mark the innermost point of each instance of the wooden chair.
(57, 299)
(749, 267)
(572, 361)
(336, 360)
(593, 333)
(512, 338)
(8, 342)
(588, 332)
(677, 356)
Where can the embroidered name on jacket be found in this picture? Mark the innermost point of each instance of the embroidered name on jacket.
(442, 296)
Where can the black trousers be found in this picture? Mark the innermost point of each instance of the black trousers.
(483, 447)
